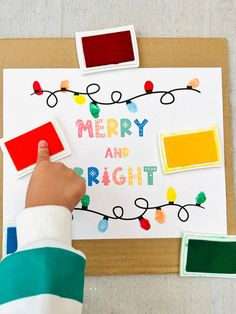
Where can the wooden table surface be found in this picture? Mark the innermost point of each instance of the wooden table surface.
(157, 18)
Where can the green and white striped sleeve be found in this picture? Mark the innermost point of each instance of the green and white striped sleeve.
(45, 275)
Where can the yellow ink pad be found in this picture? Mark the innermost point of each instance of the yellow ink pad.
(190, 150)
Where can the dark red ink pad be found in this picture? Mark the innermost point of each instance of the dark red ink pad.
(107, 49)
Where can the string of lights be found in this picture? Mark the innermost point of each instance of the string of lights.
(167, 97)
(118, 211)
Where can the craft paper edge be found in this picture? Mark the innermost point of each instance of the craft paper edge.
(102, 68)
(186, 236)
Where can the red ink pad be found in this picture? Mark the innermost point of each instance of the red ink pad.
(107, 49)
(23, 148)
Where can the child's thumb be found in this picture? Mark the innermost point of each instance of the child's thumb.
(43, 151)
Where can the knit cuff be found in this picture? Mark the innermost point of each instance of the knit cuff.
(44, 223)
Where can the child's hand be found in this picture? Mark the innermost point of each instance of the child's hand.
(52, 183)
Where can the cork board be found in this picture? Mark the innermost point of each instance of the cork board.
(141, 256)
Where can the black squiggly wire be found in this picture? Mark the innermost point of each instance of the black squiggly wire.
(114, 100)
(116, 216)
(145, 209)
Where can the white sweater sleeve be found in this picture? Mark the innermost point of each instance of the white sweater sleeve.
(46, 267)
(44, 223)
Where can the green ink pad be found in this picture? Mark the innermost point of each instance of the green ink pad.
(208, 255)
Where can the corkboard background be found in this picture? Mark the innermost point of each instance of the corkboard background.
(141, 256)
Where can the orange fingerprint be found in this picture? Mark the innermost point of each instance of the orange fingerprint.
(160, 216)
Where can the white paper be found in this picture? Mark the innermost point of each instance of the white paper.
(190, 111)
